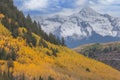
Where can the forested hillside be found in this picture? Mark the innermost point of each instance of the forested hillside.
(108, 53)
(28, 53)
(15, 19)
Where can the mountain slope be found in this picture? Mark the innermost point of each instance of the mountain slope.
(82, 27)
(109, 53)
(4, 31)
(33, 63)
(13, 22)
(26, 54)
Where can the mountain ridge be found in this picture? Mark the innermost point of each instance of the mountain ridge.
(81, 25)
(26, 54)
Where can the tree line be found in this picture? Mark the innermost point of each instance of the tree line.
(15, 19)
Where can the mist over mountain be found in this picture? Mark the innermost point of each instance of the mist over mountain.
(83, 27)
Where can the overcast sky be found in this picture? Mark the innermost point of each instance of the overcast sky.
(67, 7)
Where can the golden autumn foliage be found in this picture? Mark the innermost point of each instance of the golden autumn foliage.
(33, 62)
(1, 16)
(22, 31)
(4, 31)
(37, 38)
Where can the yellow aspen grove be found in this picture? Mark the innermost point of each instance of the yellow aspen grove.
(1, 17)
(29, 53)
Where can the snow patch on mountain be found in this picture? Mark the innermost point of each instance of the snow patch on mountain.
(81, 25)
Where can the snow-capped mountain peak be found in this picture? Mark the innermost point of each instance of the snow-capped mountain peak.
(87, 11)
(85, 24)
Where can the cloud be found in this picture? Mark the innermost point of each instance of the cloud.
(81, 2)
(106, 2)
(34, 4)
(49, 6)
(111, 7)
(67, 7)
(67, 12)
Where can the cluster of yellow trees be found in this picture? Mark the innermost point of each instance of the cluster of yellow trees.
(1, 17)
(34, 63)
